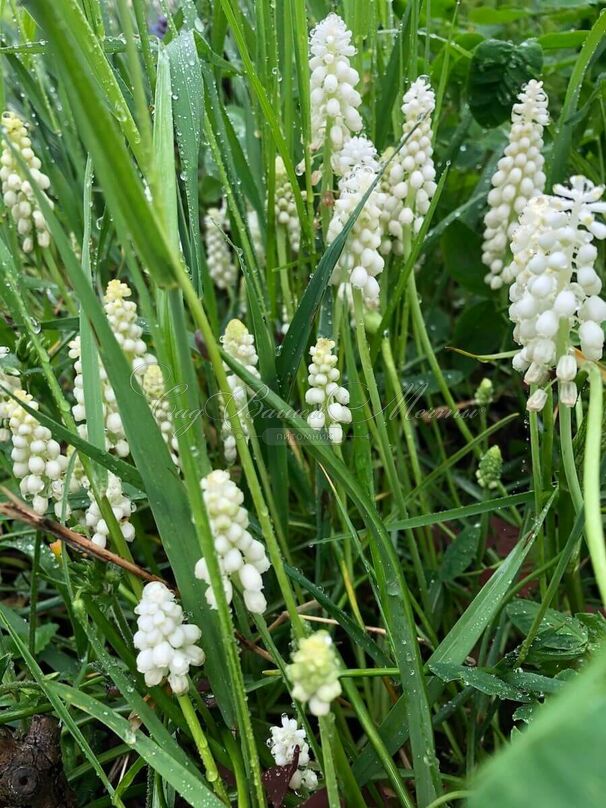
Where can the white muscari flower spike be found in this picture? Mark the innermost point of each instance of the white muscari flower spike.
(284, 739)
(371, 305)
(122, 508)
(518, 178)
(334, 99)
(239, 343)
(17, 191)
(122, 317)
(156, 395)
(314, 673)
(555, 289)
(11, 382)
(357, 152)
(490, 468)
(409, 180)
(324, 392)
(115, 437)
(256, 236)
(221, 266)
(38, 461)
(360, 262)
(167, 645)
(239, 555)
(286, 207)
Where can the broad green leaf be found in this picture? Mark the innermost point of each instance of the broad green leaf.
(559, 636)
(497, 72)
(557, 762)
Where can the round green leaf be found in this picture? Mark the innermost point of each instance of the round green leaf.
(497, 72)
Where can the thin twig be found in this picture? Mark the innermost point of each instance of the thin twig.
(16, 509)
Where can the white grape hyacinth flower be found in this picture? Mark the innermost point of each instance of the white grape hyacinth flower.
(328, 397)
(239, 343)
(122, 508)
(160, 406)
(357, 152)
(221, 266)
(38, 461)
(239, 555)
(17, 190)
(408, 182)
(115, 437)
(256, 236)
(360, 262)
(283, 741)
(9, 381)
(314, 673)
(287, 217)
(555, 288)
(518, 178)
(166, 644)
(123, 320)
(333, 94)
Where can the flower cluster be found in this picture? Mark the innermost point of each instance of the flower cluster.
(325, 393)
(37, 458)
(239, 343)
(221, 266)
(286, 207)
(555, 288)
(121, 507)
(357, 152)
(8, 381)
(334, 99)
(284, 740)
(167, 646)
(256, 236)
(115, 437)
(238, 553)
(17, 190)
(409, 180)
(122, 317)
(155, 393)
(490, 468)
(314, 672)
(518, 178)
(360, 262)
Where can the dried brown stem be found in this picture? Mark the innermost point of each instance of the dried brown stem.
(16, 509)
